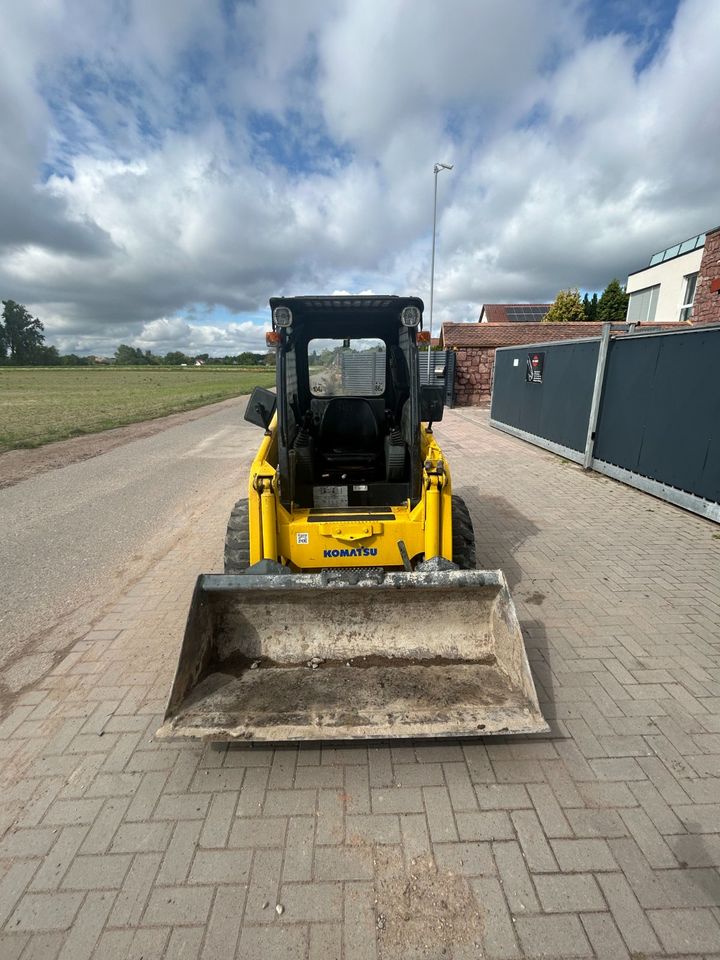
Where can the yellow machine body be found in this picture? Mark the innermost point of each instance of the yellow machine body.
(346, 537)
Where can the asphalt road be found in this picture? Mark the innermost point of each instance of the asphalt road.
(74, 537)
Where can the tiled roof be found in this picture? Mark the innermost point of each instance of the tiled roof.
(514, 312)
(508, 334)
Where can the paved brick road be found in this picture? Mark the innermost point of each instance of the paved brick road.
(602, 840)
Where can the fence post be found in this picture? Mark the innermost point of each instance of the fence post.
(597, 393)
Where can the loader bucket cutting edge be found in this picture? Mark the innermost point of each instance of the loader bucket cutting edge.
(295, 657)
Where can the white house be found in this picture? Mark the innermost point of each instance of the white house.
(665, 289)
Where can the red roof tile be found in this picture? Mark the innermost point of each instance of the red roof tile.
(507, 334)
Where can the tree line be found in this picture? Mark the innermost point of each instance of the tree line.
(611, 307)
(22, 344)
(126, 356)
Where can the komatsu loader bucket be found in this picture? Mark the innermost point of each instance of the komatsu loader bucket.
(315, 657)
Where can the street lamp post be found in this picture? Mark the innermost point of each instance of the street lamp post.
(436, 170)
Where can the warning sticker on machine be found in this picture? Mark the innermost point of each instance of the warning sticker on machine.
(330, 496)
(302, 538)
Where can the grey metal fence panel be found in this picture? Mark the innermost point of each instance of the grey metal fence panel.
(658, 425)
(555, 409)
(660, 410)
(364, 373)
(442, 372)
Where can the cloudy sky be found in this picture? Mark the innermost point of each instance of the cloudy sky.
(167, 165)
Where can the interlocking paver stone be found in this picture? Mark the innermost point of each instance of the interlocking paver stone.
(553, 937)
(499, 931)
(517, 884)
(97, 872)
(568, 894)
(342, 863)
(686, 931)
(220, 866)
(45, 911)
(175, 905)
(307, 902)
(629, 917)
(280, 943)
(579, 855)
(87, 927)
(225, 921)
(536, 849)
(13, 884)
(601, 838)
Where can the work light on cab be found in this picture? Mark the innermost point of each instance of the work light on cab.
(282, 316)
(410, 316)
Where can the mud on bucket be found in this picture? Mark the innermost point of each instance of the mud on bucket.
(293, 657)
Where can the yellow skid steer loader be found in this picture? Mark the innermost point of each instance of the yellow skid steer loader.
(350, 606)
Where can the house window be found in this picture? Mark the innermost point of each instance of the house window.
(643, 304)
(689, 284)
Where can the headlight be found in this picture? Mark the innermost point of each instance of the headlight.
(282, 316)
(410, 316)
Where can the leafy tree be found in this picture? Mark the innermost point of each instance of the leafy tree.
(22, 334)
(73, 360)
(46, 356)
(612, 305)
(591, 309)
(567, 308)
(175, 358)
(126, 355)
(248, 359)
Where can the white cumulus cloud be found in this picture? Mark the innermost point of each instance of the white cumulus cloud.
(166, 167)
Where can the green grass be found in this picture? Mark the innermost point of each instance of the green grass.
(40, 404)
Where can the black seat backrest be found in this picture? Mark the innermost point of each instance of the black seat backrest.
(348, 423)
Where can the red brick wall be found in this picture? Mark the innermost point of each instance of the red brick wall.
(706, 308)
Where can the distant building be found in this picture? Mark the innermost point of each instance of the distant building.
(513, 312)
(677, 283)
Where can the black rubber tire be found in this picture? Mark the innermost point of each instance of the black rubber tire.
(463, 535)
(237, 539)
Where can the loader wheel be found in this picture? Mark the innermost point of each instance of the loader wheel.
(463, 535)
(237, 540)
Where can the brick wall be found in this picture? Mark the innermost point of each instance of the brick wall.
(706, 308)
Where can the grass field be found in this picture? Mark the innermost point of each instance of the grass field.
(40, 404)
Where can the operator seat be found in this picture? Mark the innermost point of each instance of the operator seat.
(348, 436)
